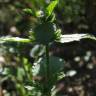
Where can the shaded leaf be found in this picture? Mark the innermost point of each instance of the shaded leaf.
(44, 33)
(56, 65)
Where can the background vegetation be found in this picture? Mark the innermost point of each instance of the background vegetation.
(72, 16)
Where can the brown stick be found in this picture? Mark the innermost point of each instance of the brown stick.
(1, 91)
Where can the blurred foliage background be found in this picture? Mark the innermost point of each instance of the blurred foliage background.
(72, 16)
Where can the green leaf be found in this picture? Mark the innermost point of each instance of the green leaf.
(39, 13)
(44, 33)
(28, 11)
(75, 37)
(51, 7)
(5, 39)
(37, 51)
(56, 65)
(20, 73)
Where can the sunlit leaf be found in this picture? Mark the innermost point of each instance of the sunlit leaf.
(51, 7)
(37, 50)
(71, 73)
(30, 88)
(39, 13)
(75, 37)
(28, 11)
(5, 39)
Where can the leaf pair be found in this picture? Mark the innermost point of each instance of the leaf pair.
(63, 38)
(48, 10)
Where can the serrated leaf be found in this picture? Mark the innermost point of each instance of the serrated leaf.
(56, 65)
(51, 7)
(5, 39)
(75, 37)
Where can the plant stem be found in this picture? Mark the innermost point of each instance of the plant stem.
(47, 71)
(47, 63)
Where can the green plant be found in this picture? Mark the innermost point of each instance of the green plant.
(46, 69)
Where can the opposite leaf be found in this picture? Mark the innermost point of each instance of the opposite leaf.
(75, 37)
(5, 39)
